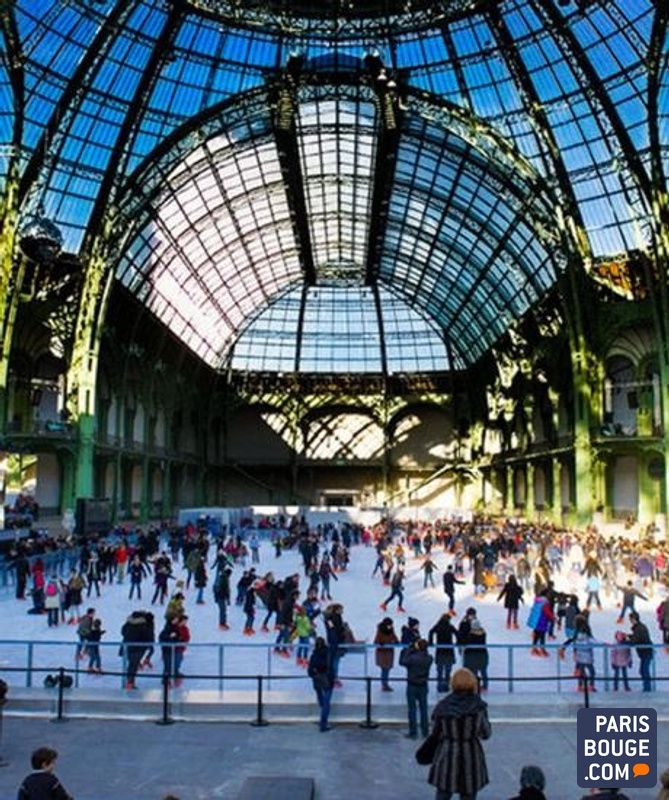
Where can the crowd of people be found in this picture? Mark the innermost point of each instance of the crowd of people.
(559, 575)
(536, 565)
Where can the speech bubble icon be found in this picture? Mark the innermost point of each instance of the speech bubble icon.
(640, 769)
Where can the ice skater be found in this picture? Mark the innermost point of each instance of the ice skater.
(450, 582)
(396, 591)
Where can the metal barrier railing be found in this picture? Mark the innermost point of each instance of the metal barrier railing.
(248, 659)
(258, 719)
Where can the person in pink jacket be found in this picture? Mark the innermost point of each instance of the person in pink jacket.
(621, 661)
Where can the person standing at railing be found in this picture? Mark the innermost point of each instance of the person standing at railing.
(417, 662)
(444, 635)
(335, 628)
(83, 630)
(180, 649)
(137, 633)
(584, 654)
(168, 638)
(285, 620)
(303, 631)
(475, 655)
(621, 661)
(640, 636)
(93, 647)
(385, 653)
(322, 677)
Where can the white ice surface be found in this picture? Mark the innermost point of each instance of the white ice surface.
(355, 589)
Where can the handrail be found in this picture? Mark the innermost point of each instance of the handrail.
(347, 645)
(259, 720)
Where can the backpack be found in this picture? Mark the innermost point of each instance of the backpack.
(51, 589)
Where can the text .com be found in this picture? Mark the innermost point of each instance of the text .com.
(617, 747)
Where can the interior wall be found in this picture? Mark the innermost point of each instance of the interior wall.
(251, 440)
(625, 486)
(47, 488)
(422, 437)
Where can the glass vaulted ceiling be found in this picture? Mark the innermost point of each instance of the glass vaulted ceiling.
(210, 237)
(90, 88)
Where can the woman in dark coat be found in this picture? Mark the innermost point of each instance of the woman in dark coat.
(475, 656)
(513, 597)
(385, 656)
(444, 635)
(200, 575)
(460, 721)
(320, 672)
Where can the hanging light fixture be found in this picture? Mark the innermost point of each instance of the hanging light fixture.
(40, 239)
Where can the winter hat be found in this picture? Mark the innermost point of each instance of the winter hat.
(532, 777)
(620, 636)
(413, 622)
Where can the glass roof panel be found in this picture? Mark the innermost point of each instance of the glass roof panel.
(222, 214)
(341, 334)
(337, 143)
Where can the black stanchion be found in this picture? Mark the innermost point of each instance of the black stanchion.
(259, 721)
(368, 722)
(166, 719)
(61, 688)
(586, 694)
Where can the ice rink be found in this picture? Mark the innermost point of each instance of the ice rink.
(213, 651)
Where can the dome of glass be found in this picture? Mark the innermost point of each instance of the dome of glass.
(155, 127)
